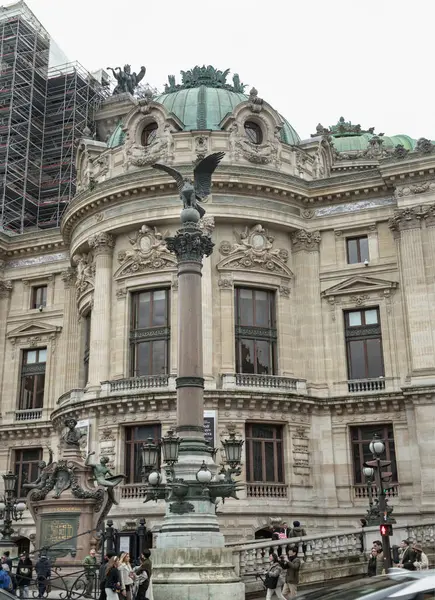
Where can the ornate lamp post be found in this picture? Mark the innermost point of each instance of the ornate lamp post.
(189, 535)
(368, 474)
(10, 508)
(380, 514)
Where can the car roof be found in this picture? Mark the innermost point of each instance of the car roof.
(426, 582)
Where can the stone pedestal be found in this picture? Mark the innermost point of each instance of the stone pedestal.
(68, 509)
(196, 574)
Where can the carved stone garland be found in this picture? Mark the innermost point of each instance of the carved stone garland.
(259, 154)
(149, 253)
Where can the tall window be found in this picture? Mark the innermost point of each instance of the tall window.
(32, 379)
(149, 134)
(253, 132)
(135, 438)
(364, 344)
(357, 249)
(86, 347)
(26, 467)
(264, 453)
(361, 438)
(39, 296)
(149, 335)
(255, 331)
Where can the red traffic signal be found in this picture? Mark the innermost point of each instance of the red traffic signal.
(386, 530)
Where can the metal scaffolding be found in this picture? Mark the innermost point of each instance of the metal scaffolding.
(42, 113)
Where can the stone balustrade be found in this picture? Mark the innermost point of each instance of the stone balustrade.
(332, 555)
(33, 414)
(134, 491)
(139, 383)
(272, 383)
(266, 490)
(361, 492)
(356, 386)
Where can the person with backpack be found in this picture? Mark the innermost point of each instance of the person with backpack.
(24, 575)
(43, 573)
(274, 579)
(292, 565)
(5, 580)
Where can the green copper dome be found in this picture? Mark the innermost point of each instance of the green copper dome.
(205, 107)
(117, 138)
(361, 142)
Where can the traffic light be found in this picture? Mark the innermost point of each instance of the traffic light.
(386, 530)
(386, 479)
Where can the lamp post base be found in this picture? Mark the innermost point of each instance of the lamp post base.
(195, 574)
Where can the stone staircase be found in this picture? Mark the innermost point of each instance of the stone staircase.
(327, 556)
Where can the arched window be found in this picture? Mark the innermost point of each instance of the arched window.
(253, 132)
(149, 134)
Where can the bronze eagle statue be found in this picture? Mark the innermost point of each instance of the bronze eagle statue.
(193, 191)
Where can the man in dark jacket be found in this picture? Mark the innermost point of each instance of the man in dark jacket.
(292, 566)
(407, 557)
(43, 573)
(24, 575)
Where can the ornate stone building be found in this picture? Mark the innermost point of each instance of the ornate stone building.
(317, 306)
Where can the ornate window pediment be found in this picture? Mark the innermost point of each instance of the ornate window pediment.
(33, 328)
(149, 253)
(254, 251)
(359, 287)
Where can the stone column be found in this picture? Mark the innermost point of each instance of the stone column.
(99, 356)
(207, 225)
(305, 247)
(406, 225)
(425, 427)
(226, 293)
(189, 536)
(71, 338)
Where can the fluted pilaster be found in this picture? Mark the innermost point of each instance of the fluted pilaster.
(70, 342)
(5, 295)
(406, 224)
(306, 246)
(99, 357)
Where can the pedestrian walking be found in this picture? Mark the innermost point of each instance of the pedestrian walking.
(274, 579)
(371, 566)
(143, 576)
(113, 580)
(102, 575)
(43, 574)
(292, 565)
(24, 575)
(90, 565)
(126, 573)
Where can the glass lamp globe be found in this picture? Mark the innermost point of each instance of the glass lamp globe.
(368, 472)
(154, 478)
(221, 477)
(21, 507)
(377, 446)
(2, 506)
(204, 474)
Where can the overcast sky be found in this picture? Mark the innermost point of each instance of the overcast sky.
(371, 61)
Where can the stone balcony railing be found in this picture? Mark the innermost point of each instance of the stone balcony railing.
(272, 383)
(32, 414)
(266, 490)
(361, 492)
(327, 555)
(132, 491)
(141, 383)
(366, 385)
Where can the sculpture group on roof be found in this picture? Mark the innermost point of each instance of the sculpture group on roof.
(208, 76)
(127, 81)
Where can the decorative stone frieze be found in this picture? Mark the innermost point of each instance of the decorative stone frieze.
(102, 243)
(34, 334)
(207, 224)
(307, 241)
(69, 277)
(418, 188)
(284, 291)
(149, 253)
(85, 275)
(254, 250)
(201, 147)
(259, 154)
(5, 288)
(407, 218)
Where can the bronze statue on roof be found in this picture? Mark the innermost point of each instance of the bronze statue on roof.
(127, 81)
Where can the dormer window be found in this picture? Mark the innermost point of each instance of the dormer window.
(253, 132)
(149, 134)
